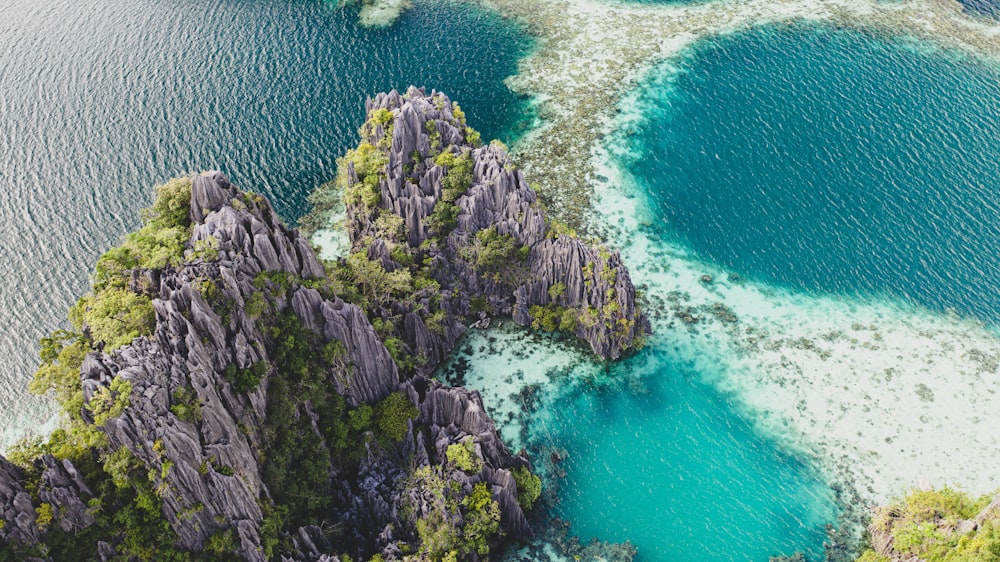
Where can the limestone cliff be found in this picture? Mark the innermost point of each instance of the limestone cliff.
(228, 395)
(422, 194)
(210, 469)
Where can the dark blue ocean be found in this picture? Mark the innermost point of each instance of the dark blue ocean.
(102, 99)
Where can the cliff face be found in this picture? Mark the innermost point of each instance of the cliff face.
(211, 470)
(421, 190)
(224, 400)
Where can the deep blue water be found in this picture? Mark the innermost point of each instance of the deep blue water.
(989, 8)
(830, 161)
(101, 99)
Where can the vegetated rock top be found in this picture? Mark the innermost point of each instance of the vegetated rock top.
(228, 395)
(425, 199)
(256, 415)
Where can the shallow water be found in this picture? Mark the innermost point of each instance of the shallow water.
(651, 455)
(104, 98)
(829, 161)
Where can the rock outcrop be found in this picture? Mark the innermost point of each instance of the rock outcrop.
(17, 510)
(208, 469)
(551, 276)
(264, 415)
(934, 531)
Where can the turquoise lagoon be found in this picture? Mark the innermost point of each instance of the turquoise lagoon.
(644, 451)
(814, 162)
(829, 161)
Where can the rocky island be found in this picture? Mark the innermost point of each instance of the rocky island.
(227, 394)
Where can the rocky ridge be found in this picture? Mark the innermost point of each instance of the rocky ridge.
(549, 276)
(259, 415)
(911, 533)
(208, 470)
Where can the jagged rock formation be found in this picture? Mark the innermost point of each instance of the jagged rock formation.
(422, 140)
(208, 469)
(16, 508)
(260, 415)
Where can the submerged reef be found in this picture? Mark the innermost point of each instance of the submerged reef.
(377, 13)
(229, 395)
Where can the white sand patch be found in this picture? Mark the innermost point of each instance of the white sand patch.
(382, 13)
(503, 361)
(333, 243)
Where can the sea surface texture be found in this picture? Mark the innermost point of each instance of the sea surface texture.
(841, 190)
(645, 452)
(829, 161)
(102, 99)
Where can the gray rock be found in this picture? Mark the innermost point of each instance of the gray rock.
(16, 508)
(598, 289)
(210, 467)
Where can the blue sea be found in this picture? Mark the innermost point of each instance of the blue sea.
(829, 161)
(821, 161)
(644, 451)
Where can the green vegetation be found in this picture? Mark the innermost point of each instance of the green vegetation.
(126, 505)
(558, 229)
(441, 538)
(206, 250)
(457, 180)
(557, 290)
(369, 164)
(110, 401)
(44, 518)
(393, 414)
(924, 526)
(186, 404)
(248, 379)
(62, 354)
(380, 117)
(297, 458)
(158, 244)
(115, 316)
(529, 487)
(499, 254)
(552, 318)
(463, 455)
(377, 286)
(482, 520)
(115, 313)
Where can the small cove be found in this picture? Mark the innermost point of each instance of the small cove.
(647, 453)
